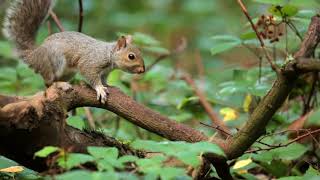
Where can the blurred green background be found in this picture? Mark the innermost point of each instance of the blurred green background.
(221, 54)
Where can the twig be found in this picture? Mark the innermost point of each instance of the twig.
(282, 132)
(80, 16)
(287, 144)
(89, 117)
(56, 20)
(217, 128)
(49, 27)
(245, 11)
(307, 106)
(206, 105)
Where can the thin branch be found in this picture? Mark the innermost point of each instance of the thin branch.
(206, 105)
(80, 16)
(217, 128)
(89, 117)
(287, 144)
(49, 27)
(297, 131)
(56, 20)
(245, 11)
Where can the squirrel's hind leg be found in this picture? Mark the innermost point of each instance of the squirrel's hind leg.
(40, 61)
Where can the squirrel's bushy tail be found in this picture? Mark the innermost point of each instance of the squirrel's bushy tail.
(22, 22)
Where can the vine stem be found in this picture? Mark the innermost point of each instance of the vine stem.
(245, 11)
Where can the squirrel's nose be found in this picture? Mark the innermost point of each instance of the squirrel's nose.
(141, 69)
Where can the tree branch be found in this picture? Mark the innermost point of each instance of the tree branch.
(273, 100)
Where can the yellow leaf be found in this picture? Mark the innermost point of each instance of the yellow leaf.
(243, 171)
(247, 102)
(12, 169)
(242, 163)
(228, 114)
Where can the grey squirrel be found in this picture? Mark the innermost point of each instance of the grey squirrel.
(63, 54)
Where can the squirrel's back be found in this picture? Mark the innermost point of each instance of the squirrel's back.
(22, 21)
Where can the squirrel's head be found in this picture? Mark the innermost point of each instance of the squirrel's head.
(127, 57)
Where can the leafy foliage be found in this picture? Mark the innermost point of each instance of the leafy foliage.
(224, 57)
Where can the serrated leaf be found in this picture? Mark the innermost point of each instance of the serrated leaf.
(46, 151)
(186, 152)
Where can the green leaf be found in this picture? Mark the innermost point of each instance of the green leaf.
(157, 50)
(46, 151)
(76, 174)
(128, 158)
(275, 2)
(298, 3)
(144, 39)
(171, 172)
(76, 122)
(240, 75)
(291, 152)
(309, 3)
(314, 118)
(224, 43)
(186, 152)
(185, 101)
(312, 172)
(150, 165)
(275, 167)
(87, 175)
(26, 174)
(72, 160)
(6, 50)
(109, 164)
(103, 152)
(248, 36)
(287, 10)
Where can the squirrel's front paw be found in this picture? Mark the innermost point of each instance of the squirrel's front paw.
(102, 93)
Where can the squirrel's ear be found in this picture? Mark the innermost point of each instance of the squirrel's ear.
(129, 39)
(121, 43)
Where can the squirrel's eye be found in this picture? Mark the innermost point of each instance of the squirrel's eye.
(131, 56)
